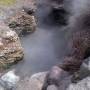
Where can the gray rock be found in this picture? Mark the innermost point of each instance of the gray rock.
(31, 83)
(37, 78)
(82, 83)
(82, 77)
(9, 80)
(52, 87)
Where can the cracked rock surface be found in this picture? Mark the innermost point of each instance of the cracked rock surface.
(11, 50)
(22, 23)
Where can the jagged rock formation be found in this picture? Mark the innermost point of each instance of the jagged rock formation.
(11, 50)
(22, 23)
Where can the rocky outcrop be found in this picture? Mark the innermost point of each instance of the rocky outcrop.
(22, 23)
(9, 80)
(19, 15)
(82, 78)
(11, 50)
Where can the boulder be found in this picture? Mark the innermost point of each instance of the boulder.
(19, 15)
(9, 80)
(11, 50)
(82, 80)
(31, 83)
(37, 78)
(22, 23)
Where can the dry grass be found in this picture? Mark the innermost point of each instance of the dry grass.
(7, 2)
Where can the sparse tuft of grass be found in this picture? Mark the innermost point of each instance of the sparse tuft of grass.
(7, 2)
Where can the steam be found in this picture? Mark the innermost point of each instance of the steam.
(80, 14)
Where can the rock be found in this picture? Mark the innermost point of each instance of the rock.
(83, 72)
(52, 87)
(18, 14)
(9, 7)
(22, 23)
(83, 83)
(9, 80)
(30, 6)
(37, 78)
(82, 78)
(11, 50)
(36, 81)
(31, 83)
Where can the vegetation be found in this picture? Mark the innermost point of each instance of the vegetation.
(7, 2)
